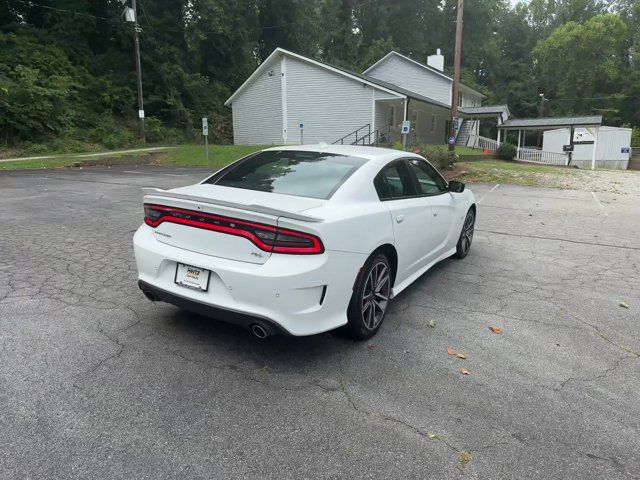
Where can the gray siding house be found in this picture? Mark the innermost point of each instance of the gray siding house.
(292, 99)
(289, 91)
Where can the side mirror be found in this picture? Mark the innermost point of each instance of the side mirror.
(456, 186)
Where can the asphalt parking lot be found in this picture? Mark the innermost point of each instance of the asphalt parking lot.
(98, 382)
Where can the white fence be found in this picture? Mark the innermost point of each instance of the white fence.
(540, 156)
(476, 141)
(524, 154)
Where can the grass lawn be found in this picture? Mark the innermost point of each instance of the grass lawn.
(194, 155)
(489, 171)
(185, 155)
(461, 151)
(500, 171)
(31, 164)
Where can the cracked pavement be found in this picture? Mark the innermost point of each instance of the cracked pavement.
(98, 382)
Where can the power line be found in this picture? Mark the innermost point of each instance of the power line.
(613, 95)
(144, 12)
(73, 12)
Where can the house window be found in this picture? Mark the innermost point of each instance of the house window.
(433, 123)
(459, 99)
(391, 117)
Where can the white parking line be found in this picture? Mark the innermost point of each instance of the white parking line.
(131, 171)
(599, 204)
(173, 174)
(485, 195)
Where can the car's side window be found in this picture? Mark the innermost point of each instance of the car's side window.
(429, 181)
(393, 182)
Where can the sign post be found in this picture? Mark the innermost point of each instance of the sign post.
(205, 132)
(406, 127)
(301, 126)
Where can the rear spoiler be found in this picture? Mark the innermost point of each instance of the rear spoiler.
(159, 193)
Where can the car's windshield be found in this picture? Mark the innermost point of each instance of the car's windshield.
(305, 174)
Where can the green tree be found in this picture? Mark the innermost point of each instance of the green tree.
(36, 88)
(583, 66)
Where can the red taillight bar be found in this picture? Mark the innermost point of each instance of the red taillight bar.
(157, 214)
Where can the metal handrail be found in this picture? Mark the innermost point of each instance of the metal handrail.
(375, 134)
(342, 139)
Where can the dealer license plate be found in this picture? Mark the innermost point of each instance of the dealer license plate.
(192, 277)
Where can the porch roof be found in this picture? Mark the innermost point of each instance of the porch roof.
(551, 122)
(486, 111)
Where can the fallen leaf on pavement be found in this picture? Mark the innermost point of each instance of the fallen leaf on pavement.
(464, 371)
(461, 355)
(495, 329)
(465, 457)
(451, 351)
(431, 324)
(371, 347)
(623, 305)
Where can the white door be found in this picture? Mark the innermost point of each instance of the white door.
(411, 216)
(433, 188)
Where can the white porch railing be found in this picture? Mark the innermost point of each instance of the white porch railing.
(477, 141)
(539, 156)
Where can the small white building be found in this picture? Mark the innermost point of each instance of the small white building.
(579, 141)
(292, 99)
(602, 147)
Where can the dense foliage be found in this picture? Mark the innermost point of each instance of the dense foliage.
(506, 151)
(67, 71)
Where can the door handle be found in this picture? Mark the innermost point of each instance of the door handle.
(435, 213)
(400, 218)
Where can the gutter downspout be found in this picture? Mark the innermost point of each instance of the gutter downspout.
(406, 111)
(595, 148)
(283, 89)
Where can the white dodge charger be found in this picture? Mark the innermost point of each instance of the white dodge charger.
(301, 240)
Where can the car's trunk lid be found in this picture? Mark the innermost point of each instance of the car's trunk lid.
(204, 204)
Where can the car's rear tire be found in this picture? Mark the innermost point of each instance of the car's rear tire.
(370, 299)
(466, 235)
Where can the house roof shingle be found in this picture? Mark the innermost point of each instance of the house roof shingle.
(486, 110)
(543, 123)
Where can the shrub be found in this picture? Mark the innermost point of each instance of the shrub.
(441, 157)
(30, 148)
(506, 151)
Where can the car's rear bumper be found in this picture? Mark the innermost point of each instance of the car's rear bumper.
(298, 294)
(223, 314)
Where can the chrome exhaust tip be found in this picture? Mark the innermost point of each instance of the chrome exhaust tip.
(259, 331)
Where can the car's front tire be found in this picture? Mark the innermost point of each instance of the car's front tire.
(370, 298)
(466, 235)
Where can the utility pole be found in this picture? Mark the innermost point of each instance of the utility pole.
(540, 115)
(456, 74)
(136, 30)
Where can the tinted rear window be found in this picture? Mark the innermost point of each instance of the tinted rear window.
(305, 174)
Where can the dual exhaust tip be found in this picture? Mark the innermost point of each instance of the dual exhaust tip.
(258, 330)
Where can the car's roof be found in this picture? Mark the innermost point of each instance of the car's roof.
(370, 153)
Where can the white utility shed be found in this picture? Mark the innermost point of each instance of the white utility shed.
(612, 146)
